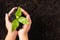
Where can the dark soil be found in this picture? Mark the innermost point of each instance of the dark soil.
(45, 15)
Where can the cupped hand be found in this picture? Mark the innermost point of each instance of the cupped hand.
(11, 35)
(23, 33)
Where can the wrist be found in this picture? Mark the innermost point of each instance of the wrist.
(23, 37)
(11, 35)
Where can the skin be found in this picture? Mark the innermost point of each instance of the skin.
(22, 33)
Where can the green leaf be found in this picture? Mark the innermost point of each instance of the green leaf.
(23, 20)
(15, 24)
(18, 19)
(18, 12)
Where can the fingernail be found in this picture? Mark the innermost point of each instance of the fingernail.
(15, 7)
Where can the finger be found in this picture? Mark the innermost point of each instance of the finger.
(24, 12)
(11, 11)
(26, 27)
(7, 18)
(29, 19)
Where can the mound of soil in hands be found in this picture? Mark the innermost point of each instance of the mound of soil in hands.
(45, 15)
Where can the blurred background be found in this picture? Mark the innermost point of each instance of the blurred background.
(45, 15)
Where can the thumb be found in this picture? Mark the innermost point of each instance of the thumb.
(7, 18)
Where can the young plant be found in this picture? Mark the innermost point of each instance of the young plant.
(19, 18)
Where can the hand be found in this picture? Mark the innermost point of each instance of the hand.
(23, 33)
(10, 35)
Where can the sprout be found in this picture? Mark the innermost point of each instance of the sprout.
(19, 18)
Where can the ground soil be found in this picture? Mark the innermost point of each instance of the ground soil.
(45, 15)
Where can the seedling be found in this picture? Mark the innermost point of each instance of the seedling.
(19, 19)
